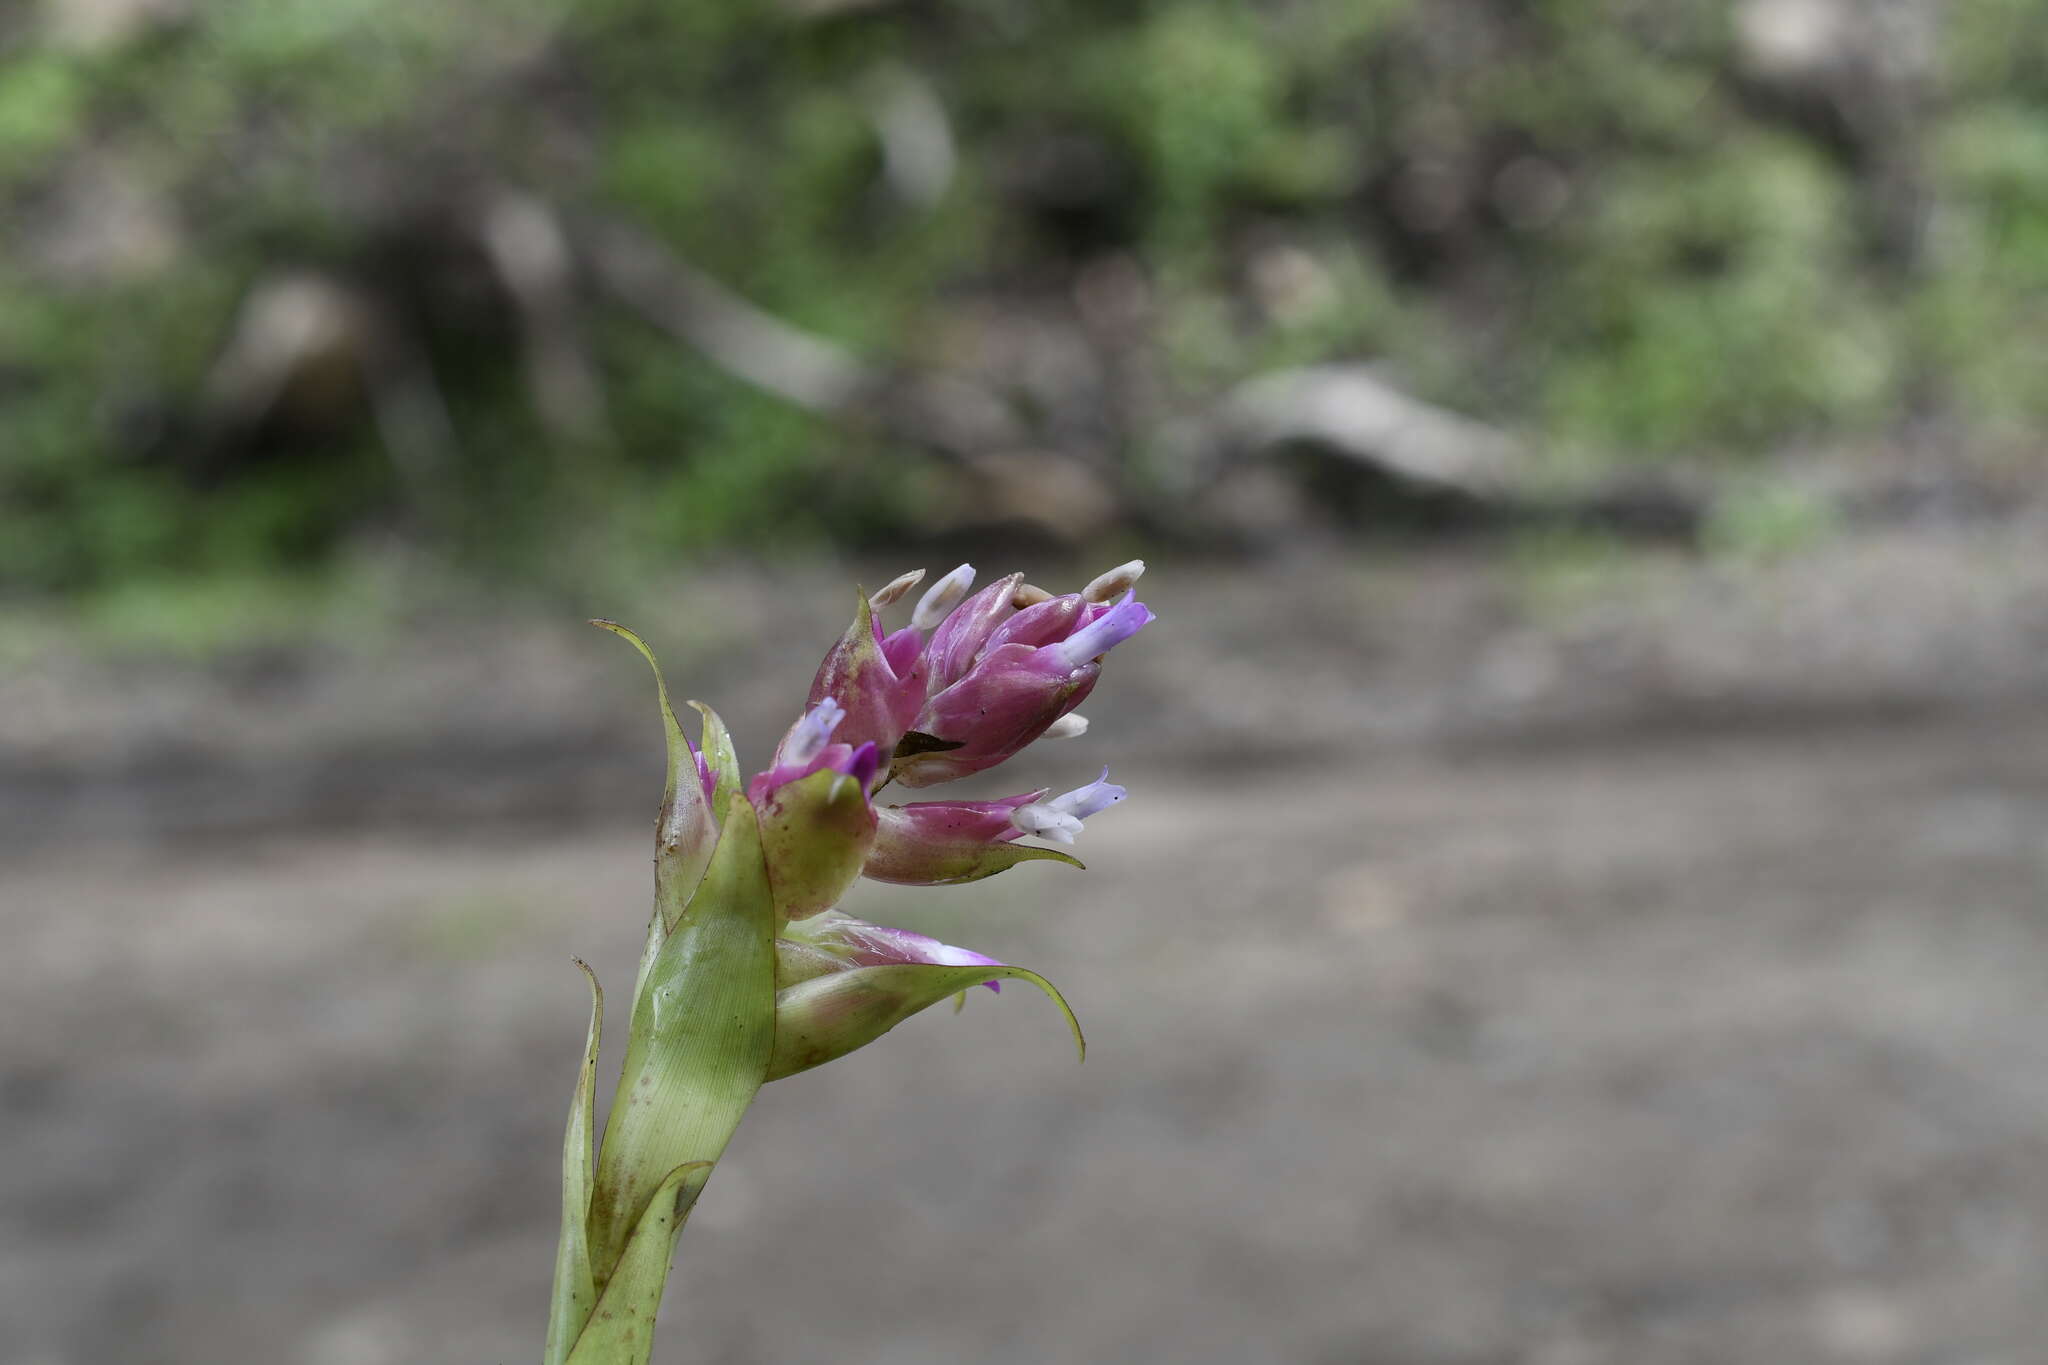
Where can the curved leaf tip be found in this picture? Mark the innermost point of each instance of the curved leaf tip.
(631, 637)
(1052, 993)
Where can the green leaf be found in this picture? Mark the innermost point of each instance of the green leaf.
(574, 1293)
(686, 831)
(703, 1030)
(621, 1329)
(825, 1018)
(724, 761)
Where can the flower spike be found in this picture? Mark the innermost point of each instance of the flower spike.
(750, 971)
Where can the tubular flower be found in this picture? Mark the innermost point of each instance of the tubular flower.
(1003, 677)
(940, 843)
(1060, 818)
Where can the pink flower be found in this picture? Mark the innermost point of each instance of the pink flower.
(1001, 677)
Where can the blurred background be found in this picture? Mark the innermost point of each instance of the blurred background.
(1584, 898)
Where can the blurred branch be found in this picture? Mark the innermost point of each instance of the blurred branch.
(1351, 412)
(735, 335)
(1344, 409)
(945, 413)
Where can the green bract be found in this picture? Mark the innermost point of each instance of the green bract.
(826, 1017)
(816, 832)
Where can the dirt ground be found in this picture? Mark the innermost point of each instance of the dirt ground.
(1645, 970)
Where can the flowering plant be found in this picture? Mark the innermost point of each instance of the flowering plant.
(750, 971)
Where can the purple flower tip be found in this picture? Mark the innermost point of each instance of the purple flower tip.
(1060, 818)
(1098, 795)
(1107, 631)
(808, 737)
(863, 762)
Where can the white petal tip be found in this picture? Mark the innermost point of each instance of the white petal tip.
(941, 597)
(1046, 822)
(1070, 726)
(1117, 580)
(895, 588)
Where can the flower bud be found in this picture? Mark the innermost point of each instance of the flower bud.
(877, 683)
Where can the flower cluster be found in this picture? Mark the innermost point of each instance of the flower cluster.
(968, 682)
